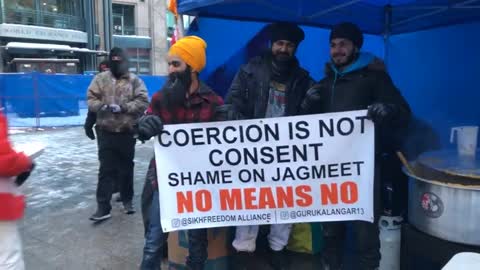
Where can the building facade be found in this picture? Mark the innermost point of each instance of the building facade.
(50, 36)
(67, 36)
(140, 28)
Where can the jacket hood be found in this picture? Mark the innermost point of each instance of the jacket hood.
(364, 60)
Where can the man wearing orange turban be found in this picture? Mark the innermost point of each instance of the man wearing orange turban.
(183, 99)
(191, 50)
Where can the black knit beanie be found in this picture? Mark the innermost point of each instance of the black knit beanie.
(286, 31)
(348, 31)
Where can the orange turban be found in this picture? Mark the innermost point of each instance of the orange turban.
(191, 49)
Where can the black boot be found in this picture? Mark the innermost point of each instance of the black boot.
(195, 267)
(328, 264)
(279, 260)
(241, 260)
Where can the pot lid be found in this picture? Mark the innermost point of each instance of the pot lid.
(449, 162)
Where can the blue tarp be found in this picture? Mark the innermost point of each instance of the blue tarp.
(36, 95)
(224, 61)
(370, 15)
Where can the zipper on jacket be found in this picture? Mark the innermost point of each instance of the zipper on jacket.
(333, 90)
(288, 101)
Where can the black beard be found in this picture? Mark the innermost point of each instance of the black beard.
(351, 58)
(282, 57)
(281, 69)
(177, 87)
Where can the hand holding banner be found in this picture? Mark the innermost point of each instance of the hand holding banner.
(279, 170)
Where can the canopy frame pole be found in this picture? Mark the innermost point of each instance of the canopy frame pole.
(413, 7)
(437, 10)
(274, 7)
(387, 33)
(300, 8)
(421, 16)
(465, 4)
(332, 9)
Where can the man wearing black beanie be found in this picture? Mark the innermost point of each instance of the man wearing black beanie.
(341, 35)
(356, 80)
(270, 85)
(118, 98)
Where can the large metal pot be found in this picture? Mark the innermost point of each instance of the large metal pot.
(447, 211)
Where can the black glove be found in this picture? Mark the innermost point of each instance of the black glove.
(24, 176)
(149, 126)
(89, 123)
(381, 113)
(311, 101)
(89, 132)
(226, 113)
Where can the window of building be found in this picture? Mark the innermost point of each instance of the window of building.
(65, 14)
(20, 4)
(20, 11)
(139, 60)
(123, 19)
(65, 7)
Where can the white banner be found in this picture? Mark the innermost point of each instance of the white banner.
(266, 171)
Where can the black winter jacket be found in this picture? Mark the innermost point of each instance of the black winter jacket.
(362, 84)
(248, 94)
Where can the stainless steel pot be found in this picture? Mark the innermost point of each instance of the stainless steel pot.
(447, 211)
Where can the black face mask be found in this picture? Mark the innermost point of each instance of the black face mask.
(177, 87)
(119, 68)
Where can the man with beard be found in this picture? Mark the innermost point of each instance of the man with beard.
(357, 81)
(118, 98)
(183, 99)
(270, 85)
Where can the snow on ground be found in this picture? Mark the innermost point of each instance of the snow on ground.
(15, 122)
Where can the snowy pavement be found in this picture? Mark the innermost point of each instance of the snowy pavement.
(61, 196)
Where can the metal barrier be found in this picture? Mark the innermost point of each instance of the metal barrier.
(45, 100)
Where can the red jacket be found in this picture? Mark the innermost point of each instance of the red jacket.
(12, 203)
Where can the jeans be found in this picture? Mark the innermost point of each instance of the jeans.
(155, 240)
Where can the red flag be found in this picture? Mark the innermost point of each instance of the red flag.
(174, 36)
